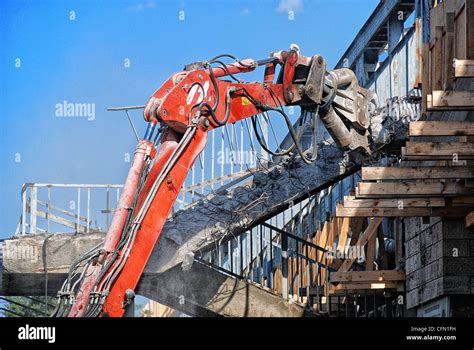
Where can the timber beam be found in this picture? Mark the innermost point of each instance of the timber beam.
(451, 100)
(412, 189)
(463, 68)
(417, 173)
(441, 128)
(352, 202)
(344, 288)
(368, 276)
(438, 150)
(451, 212)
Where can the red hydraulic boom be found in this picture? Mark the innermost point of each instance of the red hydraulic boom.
(180, 114)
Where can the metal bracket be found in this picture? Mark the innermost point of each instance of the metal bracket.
(315, 82)
(126, 109)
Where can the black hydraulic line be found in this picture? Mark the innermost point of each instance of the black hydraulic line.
(216, 88)
(263, 143)
(214, 59)
(224, 67)
(292, 132)
(223, 55)
(226, 70)
(61, 309)
(208, 107)
(294, 136)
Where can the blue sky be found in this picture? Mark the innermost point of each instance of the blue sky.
(50, 55)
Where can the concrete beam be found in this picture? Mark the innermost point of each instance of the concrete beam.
(203, 289)
(200, 291)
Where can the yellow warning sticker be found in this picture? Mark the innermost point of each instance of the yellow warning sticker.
(245, 101)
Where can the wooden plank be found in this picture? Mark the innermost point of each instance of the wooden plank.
(469, 220)
(370, 253)
(455, 160)
(414, 173)
(456, 212)
(369, 232)
(368, 276)
(333, 289)
(463, 68)
(355, 226)
(344, 228)
(322, 240)
(343, 234)
(449, 51)
(411, 189)
(460, 30)
(462, 201)
(352, 202)
(444, 150)
(469, 5)
(330, 243)
(458, 100)
(437, 60)
(441, 128)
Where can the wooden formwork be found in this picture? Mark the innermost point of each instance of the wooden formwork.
(349, 233)
(449, 57)
(442, 190)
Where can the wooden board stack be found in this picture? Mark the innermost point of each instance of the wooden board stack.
(443, 190)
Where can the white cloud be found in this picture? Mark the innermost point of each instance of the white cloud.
(142, 6)
(290, 5)
(245, 12)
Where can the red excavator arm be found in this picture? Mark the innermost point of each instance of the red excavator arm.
(186, 107)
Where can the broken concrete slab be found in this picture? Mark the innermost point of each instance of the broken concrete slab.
(198, 291)
(24, 254)
(203, 289)
(230, 214)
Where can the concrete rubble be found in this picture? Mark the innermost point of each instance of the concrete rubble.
(230, 213)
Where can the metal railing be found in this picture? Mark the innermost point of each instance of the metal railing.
(42, 216)
(279, 255)
(276, 260)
